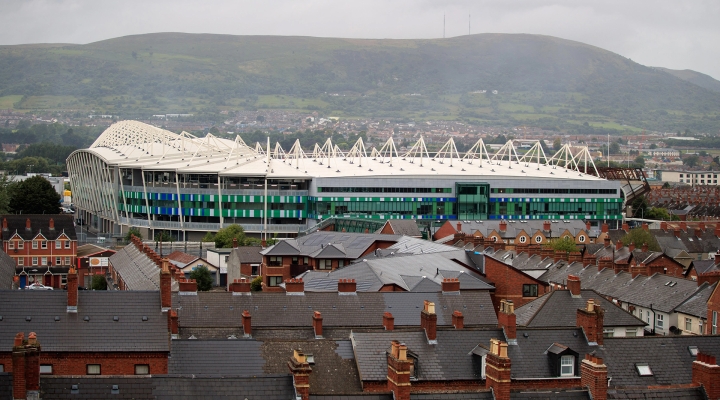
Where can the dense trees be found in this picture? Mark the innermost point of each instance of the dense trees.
(33, 196)
(640, 236)
(202, 277)
(224, 237)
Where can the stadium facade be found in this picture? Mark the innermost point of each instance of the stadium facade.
(137, 175)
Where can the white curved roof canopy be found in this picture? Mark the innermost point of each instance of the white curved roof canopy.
(132, 144)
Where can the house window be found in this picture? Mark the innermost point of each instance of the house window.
(35, 244)
(567, 365)
(581, 238)
(538, 239)
(660, 321)
(21, 261)
(631, 332)
(11, 245)
(714, 323)
(46, 369)
(688, 324)
(67, 260)
(274, 280)
(67, 244)
(700, 327)
(294, 261)
(530, 290)
(21, 245)
(58, 260)
(43, 244)
(34, 261)
(227, 258)
(324, 264)
(523, 239)
(647, 317)
(43, 261)
(341, 263)
(255, 270)
(58, 244)
(305, 261)
(608, 332)
(2, 368)
(275, 261)
(93, 369)
(142, 369)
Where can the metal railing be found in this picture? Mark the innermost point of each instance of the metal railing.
(210, 226)
(213, 190)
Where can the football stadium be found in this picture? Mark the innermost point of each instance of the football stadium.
(138, 175)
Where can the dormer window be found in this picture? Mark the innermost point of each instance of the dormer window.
(567, 365)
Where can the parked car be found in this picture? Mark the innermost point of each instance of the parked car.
(38, 286)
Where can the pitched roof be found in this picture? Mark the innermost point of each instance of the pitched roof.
(275, 310)
(39, 224)
(707, 242)
(697, 304)
(530, 227)
(691, 393)
(137, 270)
(668, 357)
(99, 333)
(405, 227)
(216, 357)
(559, 309)
(181, 259)
(405, 271)
(353, 244)
(90, 249)
(452, 358)
(248, 254)
(7, 270)
(662, 291)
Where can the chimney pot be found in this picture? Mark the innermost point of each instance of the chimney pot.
(347, 286)
(317, 324)
(507, 320)
(295, 287)
(450, 285)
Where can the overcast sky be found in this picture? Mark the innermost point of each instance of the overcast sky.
(678, 34)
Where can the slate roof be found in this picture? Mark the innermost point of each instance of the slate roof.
(7, 271)
(559, 309)
(706, 243)
(703, 266)
(274, 310)
(181, 259)
(137, 270)
(167, 387)
(693, 393)
(90, 249)
(452, 359)
(411, 245)
(240, 357)
(480, 395)
(353, 245)
(248, 254)
(405, 227)
(39, 223)
(334, 367)
(530, 227)
(358, 396)
(697, 304)
(668, 358)
(641, 291)
(405, 271)
(569, 394)
(100, 333)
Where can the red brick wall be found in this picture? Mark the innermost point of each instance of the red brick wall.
(110, 363)
(509, 283)
(713, 304)
(674, 268)
(447, 229)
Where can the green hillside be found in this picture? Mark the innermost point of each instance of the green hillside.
(541, 80)
(700, 79)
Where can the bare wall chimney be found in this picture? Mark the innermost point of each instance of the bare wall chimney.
(507, 320)
(246, 324)
(428, 321)
(165, 286)
(590, 319)
(294, 287)
(573, 285)
(347, 287)
(593, 375)
(72, 290)
(388, 321)
(458, 320)
(318, 324)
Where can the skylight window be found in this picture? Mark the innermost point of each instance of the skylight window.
(693, 350)
(643, 370)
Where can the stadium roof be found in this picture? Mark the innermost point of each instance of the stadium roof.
(132, 144)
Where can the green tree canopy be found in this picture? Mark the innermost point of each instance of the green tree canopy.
(640, 236)
(660, 214)
(34, 196)
(133, 231)
(691, 161)
(98, 282)
(202, 277)
(256, 284)
(564, 244)
(224, 237)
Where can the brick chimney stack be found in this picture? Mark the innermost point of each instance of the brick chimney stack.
(26, 367)
(701, 225)
(498, 370)
(503, 225)
(644, 247)
(28, 227)
(398, 373)
(559, 255)
(593, 375)
(683, 226)
(246, 324)
(575, 256)
(698, 232)
(294, 287)
(547, 226)
(234, 243)
(300, 369)
(605, 262)
(636, 270)
(604, 227)
(4, 224)
(51, 224)
(18, 365)
(459, 226)
(174, 326)
(588, 226)
(458, 320)
(664, 226)
(607, 241)
(626, 227)
(573, 285)
(451, 286)
(388, 321)
(619, 245)
(590, 319)
(428, 321)
(645, 227)
(188, 286)
(317, 324)
(165, 286)
(507, 320)
(631, 246)
(241, 287)
(347, 287)
(706, 372)
(72, 290)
